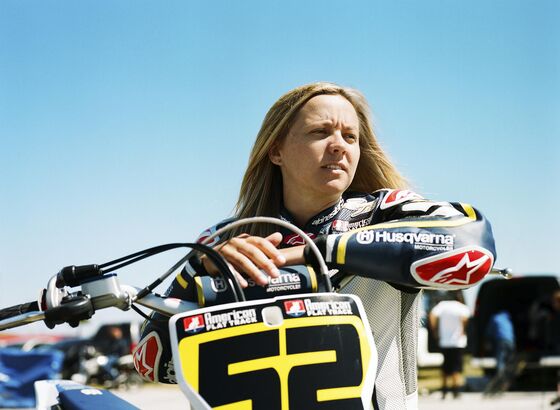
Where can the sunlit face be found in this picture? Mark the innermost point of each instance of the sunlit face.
(319, 156)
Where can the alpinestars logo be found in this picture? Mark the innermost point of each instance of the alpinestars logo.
(325, 218)
(205, 235)
(457, 269)
(295, 239)
(398, 196)
(147, 356)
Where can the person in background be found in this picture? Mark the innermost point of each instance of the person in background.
(555, 326)
(554, 323)
(544, 325)
(501, 333)
(448, 321)
(114, 343)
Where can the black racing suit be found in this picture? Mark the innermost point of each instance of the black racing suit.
(385, 246)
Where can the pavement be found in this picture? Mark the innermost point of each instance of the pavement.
(170, 397)
(476, 401)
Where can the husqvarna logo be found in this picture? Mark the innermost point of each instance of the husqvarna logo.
(218, 285)
(365, 237)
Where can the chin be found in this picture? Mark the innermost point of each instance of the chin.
(335, 188)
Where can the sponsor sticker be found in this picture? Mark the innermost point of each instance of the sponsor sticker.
(398, 196)
(146, 357)
(365, 237)
(460, 268)
(285, 282)
(420, 240)
(295, 308)
(193, 324)
(232, 318)
(327, 308)
(359, 224)
(218, 284)
(340, 226)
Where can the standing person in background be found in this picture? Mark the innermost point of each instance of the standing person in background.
(448, 321)
(500, 332)
(114, 343)
(544, 324)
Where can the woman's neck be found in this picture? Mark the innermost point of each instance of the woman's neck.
(303, 209)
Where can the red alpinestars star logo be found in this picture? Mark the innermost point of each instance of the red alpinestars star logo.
(147, 356)
(455, 269)
(398, 196)
(295, 239)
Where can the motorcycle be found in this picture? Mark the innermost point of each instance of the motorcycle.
(107, 370)
(301, 350)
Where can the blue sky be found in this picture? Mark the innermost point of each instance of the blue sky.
(127, 124)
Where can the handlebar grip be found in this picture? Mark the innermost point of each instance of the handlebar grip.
(18, 310)
(75, 275)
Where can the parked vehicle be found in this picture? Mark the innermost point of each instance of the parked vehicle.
(77, 350)
(108, 370)
(527, 298)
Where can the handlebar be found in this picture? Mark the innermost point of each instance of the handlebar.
(100, 290)
(506, 273)
(19, 310)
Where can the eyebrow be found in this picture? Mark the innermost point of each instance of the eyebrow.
(329, 123)
(326, 123)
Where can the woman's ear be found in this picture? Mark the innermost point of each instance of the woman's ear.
(274, 155)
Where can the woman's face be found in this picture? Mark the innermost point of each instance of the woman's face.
(320, 154)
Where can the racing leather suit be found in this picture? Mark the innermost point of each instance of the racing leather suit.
(385, 247)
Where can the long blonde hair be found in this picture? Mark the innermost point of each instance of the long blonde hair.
(261, 190)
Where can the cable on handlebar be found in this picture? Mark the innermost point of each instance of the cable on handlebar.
(137, 256)
(75, 275)
(215, 257)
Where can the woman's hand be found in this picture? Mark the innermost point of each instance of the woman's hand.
(250, 255)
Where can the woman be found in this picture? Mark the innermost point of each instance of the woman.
(317, 164)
